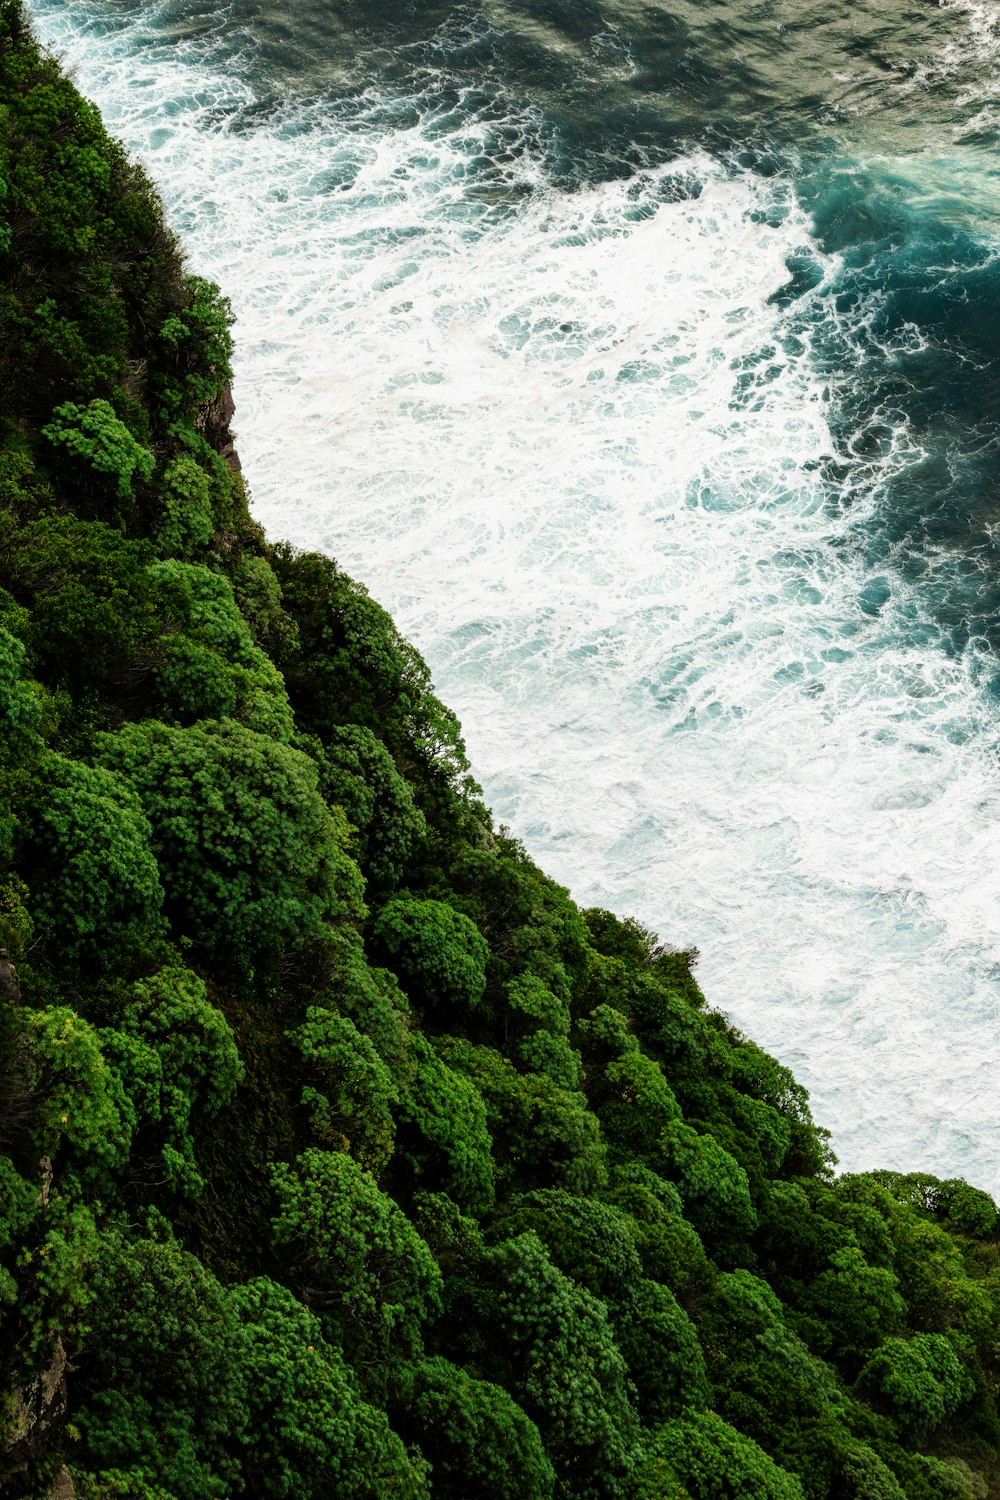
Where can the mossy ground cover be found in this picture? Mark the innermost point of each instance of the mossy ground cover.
(341, 1154)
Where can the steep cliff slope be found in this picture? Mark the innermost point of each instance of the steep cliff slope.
(342, 1154)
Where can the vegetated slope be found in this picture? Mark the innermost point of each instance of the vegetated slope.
(343, 1155)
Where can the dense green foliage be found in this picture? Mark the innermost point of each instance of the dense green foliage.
(341, 1155)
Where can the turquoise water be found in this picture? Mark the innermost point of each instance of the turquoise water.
(643, 360)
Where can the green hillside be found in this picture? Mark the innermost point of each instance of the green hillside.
(341, 1154)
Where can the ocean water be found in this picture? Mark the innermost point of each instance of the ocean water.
(644, 360)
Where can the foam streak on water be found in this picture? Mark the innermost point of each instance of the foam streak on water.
(575, 444)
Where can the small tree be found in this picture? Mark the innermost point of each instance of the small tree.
(359, 773)
(712, 1184)
(210, 666)
(20, 711)
(920, 1379)
(662, 1352)
(177, 1055)
(309, 1434)
(443, 1132)
(568, 1373)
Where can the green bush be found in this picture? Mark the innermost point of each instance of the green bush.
(350, 665)
(16, 927)
(20, 712)
(94, 436)
(668, 1246)
(540, 1021)
(543, 1135)
(178, 1058)
(209, 666)
(568, 1374)
(195, 347)
(860, 1303)
(89, 856)
(713, 1462)
(251, 855)
(187, 523)
(349, 1091)
(660, 1347)
(164, 1392)
(308, 1434)
(921, 1380)
(356, 1258)
(439, 954)
(713, 1186)
(93, 619)
(477, 1439)
(587, 1239)
(359, 774)
(443, 1137)
(85, 1120)
(52, 1292)
(372, 999)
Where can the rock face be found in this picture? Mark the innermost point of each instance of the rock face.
(62, 1489)
(10, 990)
(37, 1414)
(214, 425)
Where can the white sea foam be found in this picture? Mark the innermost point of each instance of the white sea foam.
(568, 439)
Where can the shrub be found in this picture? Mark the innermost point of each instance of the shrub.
(543, 1135)
(713, 1186)
(921, 1379)
(542, 1020)
(668, 1246)
(251, 855)
(20, 712)
(93, 876)
(439, 953)
(308, 1433)
(177, 1054)
(187, 523)
(210, 667)
(568, 1373)
(350, 1090)
(93, 618)
(713, 1462)
(356, 1258)
(587, 1239)
(164, 1392)
(860, 1303)
(447, 1139)
(661, 1349)
(350, 665)
(16, 927)
(94, 435)
(84, 1121)
(359, 774)
(478, 1440)
(195, 350)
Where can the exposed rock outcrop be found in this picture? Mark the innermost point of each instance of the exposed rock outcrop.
(214, 425)
(10, 990)
(37, 1414)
